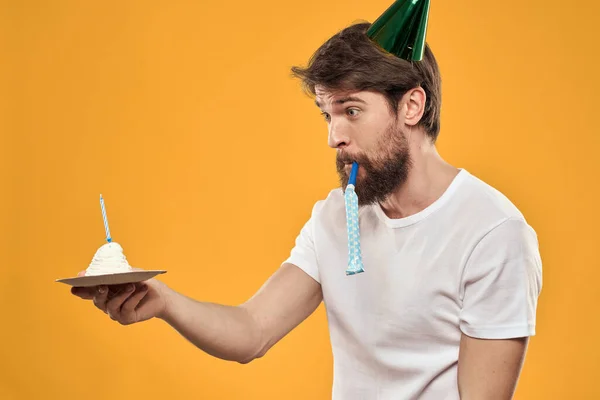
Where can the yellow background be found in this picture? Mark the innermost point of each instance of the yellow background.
(183, 115)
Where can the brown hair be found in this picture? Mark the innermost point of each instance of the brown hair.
(350, 60)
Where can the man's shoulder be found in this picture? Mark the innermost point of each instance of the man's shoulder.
(332, 203)
(484, 201)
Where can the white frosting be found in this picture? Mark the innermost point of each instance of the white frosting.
(109, 259)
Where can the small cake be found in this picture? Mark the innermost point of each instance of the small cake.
(109, 259)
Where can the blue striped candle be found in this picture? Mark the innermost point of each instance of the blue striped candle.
(108, 238)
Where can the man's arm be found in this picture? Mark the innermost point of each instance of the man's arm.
(237, 333)
(245, 332)
(488, 369)
(501, 284)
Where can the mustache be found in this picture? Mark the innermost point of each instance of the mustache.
(346, 158)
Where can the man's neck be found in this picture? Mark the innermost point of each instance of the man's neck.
(428, 178)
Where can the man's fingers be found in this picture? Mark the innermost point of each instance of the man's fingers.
(86, 293)
(128, 313)
(113, 306)
(118, 301)
(100, 298)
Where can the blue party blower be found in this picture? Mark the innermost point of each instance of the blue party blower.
(355, 263)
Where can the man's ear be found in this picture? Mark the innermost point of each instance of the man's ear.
(414, 105)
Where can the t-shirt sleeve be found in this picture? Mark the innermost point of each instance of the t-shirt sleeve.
(303, 254)
(501, 283)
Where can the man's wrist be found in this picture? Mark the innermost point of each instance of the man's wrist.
(167, 295)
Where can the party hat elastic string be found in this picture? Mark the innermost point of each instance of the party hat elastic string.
(355, 263)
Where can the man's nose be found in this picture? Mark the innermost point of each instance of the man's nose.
(337, 138)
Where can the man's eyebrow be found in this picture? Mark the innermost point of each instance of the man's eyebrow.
(344, 100)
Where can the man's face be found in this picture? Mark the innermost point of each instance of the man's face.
(362, 129)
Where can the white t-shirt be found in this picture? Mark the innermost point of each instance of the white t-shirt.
(467, 263)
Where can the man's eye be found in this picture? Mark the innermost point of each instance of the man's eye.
(326, 116)
(353, 112)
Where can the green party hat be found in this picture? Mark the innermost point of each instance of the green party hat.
(401, 29)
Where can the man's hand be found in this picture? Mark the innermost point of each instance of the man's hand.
(128, 303)
(489, 369)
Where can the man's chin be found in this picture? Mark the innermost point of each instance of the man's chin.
(364, 198)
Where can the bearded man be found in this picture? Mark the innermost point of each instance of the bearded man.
(446, 302)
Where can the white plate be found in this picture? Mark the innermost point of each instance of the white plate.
(111, 279)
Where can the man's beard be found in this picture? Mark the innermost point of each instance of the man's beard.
(384, 173)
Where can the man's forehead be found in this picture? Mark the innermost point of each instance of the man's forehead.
(327, 93)
(338, 96)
